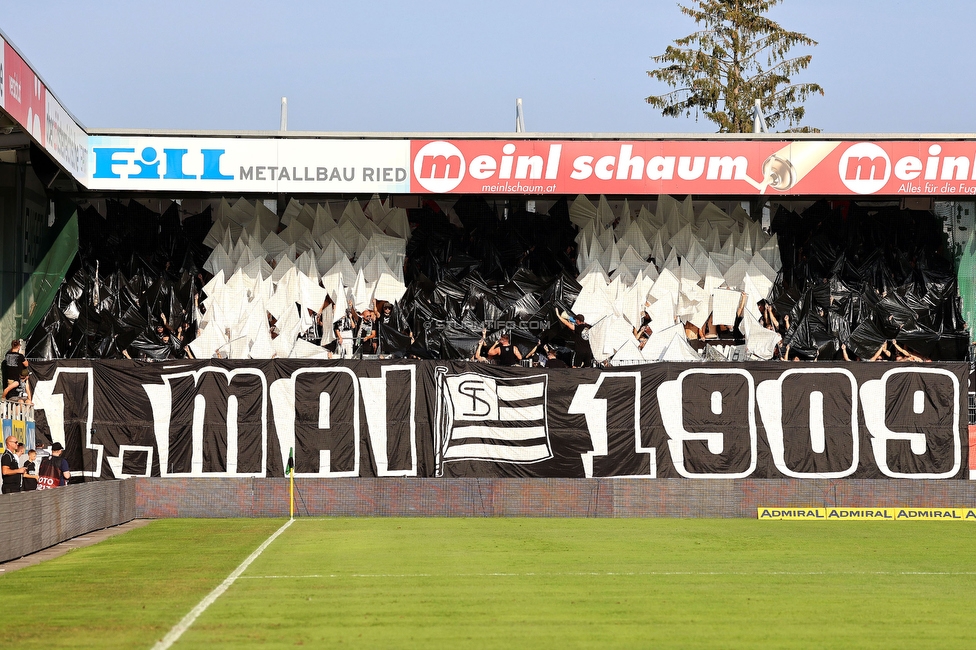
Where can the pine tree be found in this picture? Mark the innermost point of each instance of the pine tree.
(739, 57)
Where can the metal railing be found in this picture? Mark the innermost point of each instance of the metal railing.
(16, 410)
(18, 421)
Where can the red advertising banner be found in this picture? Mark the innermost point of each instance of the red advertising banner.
(24, 97)
(972, 451)
(807, 167)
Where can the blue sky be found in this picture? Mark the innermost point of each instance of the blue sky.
(453, 65)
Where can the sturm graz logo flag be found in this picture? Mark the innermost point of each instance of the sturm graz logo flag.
(492, 419)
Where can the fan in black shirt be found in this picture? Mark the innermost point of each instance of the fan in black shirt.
(552, 361)
(581, 339)
(504, 353)
(29, 481)
(15, 370)
(11, 469)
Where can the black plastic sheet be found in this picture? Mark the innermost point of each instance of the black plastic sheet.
(863, 275)
(136, 270)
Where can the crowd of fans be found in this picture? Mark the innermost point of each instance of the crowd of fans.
(32, 469)
(23, 469)
(349, 334)
(572, 349)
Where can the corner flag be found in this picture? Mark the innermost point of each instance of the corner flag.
(290, 471)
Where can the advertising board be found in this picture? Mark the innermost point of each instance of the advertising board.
(25, 94)
(706, 167)
(248, 165)
(64, 139)
(24, 97)
(3, 78)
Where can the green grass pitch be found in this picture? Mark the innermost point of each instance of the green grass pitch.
(508, 583)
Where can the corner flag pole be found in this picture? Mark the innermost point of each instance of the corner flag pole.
(291, 482)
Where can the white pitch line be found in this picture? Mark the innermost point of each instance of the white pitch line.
(611, 573)
(188, 620)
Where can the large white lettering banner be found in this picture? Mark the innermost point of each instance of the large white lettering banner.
(430, 419)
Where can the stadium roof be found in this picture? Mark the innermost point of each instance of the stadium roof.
(474, 135)
(75, 158)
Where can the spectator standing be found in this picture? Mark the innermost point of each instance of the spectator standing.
(29, 481)
(15, 371)
(385, 322)
(10, 467)
(314, 332)
(386, 315)
(54, 469)
(481, 352)
(343, 329)
(552, 361)
(366, 333)
(504, 352)
(42, 452)
(581, 339)
(324, 320)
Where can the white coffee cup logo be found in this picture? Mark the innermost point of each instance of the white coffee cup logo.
(864, 168)
(439, 167)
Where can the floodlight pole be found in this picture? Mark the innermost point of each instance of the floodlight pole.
(281, 199)
(519, 117)
(758, 119)
(758, 205)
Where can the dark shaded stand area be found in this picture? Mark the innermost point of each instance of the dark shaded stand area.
(131, 267)
(860, 275)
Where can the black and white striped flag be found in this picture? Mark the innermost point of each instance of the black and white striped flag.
(494, 419)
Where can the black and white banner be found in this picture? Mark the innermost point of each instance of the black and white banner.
(430, 419)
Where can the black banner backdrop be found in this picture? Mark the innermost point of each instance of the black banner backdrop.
(433, 419)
